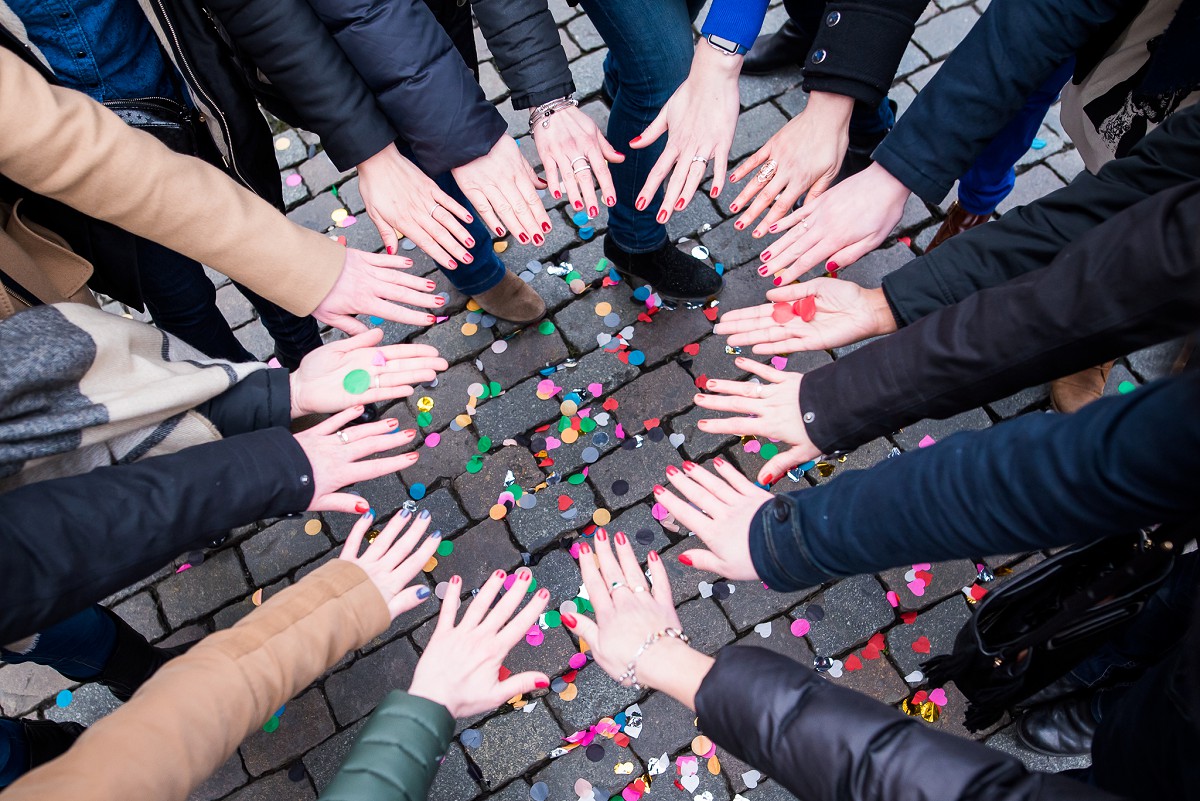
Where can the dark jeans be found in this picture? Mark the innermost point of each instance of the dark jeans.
(991, 177)
(183, 302)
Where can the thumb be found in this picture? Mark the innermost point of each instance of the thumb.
(649, 136)
(345, 323)
(705, 560)
(365, 339)
(778, 466)
(609, 152)
(522, 683)
(409, 598)
(337, 502)
(584, 628)
(849, 254)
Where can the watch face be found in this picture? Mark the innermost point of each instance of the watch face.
(725, 44)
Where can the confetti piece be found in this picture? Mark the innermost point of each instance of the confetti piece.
(445, 548)
(431, 565)
(568, 694)
(63, 699)
(357, 382)
(282, 143)
(637, 358)
(800, 627)
(433, 439)
(1125, 387)
(805, 308)
(293, 179)
(602, 517)
(271, 725)
(256, 598)
(416, 492)
(1038, 144)
(781, 313)
(577, 661)
(312, 527)
(498, 512)
(926, 441)
(378, 360)
(921, 645)
(893, 598)
(938, 696)
(337, 215)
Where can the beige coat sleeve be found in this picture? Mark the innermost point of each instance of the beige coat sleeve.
(191, 716)
(62, 144)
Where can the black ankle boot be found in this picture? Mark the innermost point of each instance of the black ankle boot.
(675, 276)
(858, 153)
(47, 740)
(132, 662)
(1059, 728)
(774, 51)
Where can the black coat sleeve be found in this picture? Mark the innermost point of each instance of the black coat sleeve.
(418, 77)
(1129, 283)
(829, 743)
(858, 46)
(261, 400)
(1031, 236)
(523, 37)
(70, 542)
(323, 92)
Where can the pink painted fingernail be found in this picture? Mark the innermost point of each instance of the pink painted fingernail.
(662, 216)
(610, 201)
(733, 207)
(601, 535)
(621, 538)
(593, 211)
(718, 461)
(641, 204)
(714, 192)
(766, 255)
(763, 270)
(538, 239)
(467, 258)
(672, 470)
(451, 264)
(541, 685)
(470, 242)
(652, 556)
(739, 225)
(685, 559)
(522, 238)
(778, 280)
(659, 489)
(578, 205)
(557, 195)
(499, 231)
(391, 251)
(774, 227)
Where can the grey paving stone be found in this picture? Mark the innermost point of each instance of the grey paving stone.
(194, 592)
(940, 625)
(292, 195)
(276, 787)
(865, 456)
(1031, 185)
(637, 520)
(948, 579)
(478, 553)
(641, 468)
(490, 81)
(1117, 376)
(943, 33)
(754, 89)
(734, 247)
(588, 73)
(293, 154)
(519, 409)
(1067, 164)
(23, 687)
(279, 548)
(670, 331)
(385, 495)
(304, 723)
(601, 368)
(703, 621)
(755, 127)
(667, 727)
(319, 173)
(450, 396)
(1021, 401)
(685, 580)
(780, 640)
(355, 691)
(233, 305)
(699, 212)
(599, 697)
(323, 762)
(658, 393)
(921, 77)
(550, 657)
(536, 528)
(527, 352)
(570, 49)
(916, 214)
(876, 678)
(89, 703)
(514, 741)
(517, 790)
(699, 445)
(255, 339)
(231, 614)
(362, 235)
(1051, 143)
(1155, 361)
(562, 773)
(452, 779)
(315, 214)
(910, 438)
(450, 342)
(410, 620)
(913, 59)
(447, 460)
(871, 268)
(580, 324)
(752, 602)
(558, 572)
(479, 491)
(185, 635)
(584, 33)
(855, 608)
(141, 612)
(351, 195)
(792, 102)
(227, 778)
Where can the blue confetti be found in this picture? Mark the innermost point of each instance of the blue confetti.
(63, 699)
(417, 491)
(641, 293)
(637, 358)
(1038, 144)
(587, 232)
(279, 712)
(720, 268)
(804, 468)
(580, 218)
(614, 276)
(376, 320)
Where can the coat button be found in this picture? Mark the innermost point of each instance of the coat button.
(809, 417)
(780, 509)
(818, 56)
(834, 18)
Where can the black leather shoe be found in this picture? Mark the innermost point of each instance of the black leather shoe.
(1056, 690)
(1060, 728)
(133, 661)
(786, 48)
(675, 276)
(46, 739)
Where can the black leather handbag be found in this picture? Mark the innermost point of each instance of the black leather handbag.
(169, 122)
(1043, 622)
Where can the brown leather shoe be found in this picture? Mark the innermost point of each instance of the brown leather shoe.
(1072, 393)
(957, 220)
(512, 299)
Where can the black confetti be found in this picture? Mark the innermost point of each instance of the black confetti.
(815, 613)
(620, 487)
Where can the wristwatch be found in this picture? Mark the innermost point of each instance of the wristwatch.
(726, 46)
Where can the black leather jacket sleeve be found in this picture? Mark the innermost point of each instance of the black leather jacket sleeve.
(261, 400)
(829, 743)
(523, 37)
(322, 91)
(70, 542)
(418, 78)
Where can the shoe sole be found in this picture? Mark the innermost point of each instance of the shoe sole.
(637, 281)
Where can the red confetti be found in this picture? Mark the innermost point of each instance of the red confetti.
(564, 503)
(570, 675)
(622, 740)
(692, 349)
(921, 646)
(702, 381)
(908, 617)
(852, 663)
(644, 318)
(610, 405)
(504, 673)
(870, 652)
(919, 698)
(904, 240)
(782, 312)
(711, 314)
(653, 422)
(978, 592)
(805, 308)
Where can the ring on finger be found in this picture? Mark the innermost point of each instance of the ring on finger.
(342, 436)
(804, 224)
(584, 168)
(700, 159)
(638, 589)
(434, 208)
(766, 171)
(377, 381)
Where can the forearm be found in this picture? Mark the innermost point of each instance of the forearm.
(261, 400)
(1015, 487)
(823, 741)
(135, 518)
(178, 201)
(523, 38)
(192, 715)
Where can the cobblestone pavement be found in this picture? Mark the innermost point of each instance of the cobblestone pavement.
(315, 732)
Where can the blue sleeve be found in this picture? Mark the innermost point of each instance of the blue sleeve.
(739, 20)
(1037, 481)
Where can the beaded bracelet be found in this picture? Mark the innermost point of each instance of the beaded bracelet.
(630, 673)
(547, 110)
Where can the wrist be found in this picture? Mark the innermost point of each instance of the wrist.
(294, 392)
(831, 109)
(675, 668)
(709, 60)
(437, 695)
(881, 312)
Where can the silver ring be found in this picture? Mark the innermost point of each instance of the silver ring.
(377, 380)
(804, 224)
(584, 168)
(700, 159)
(758, 391)
(342, 436)
(638, 589)
(616, 585)
(434, 208)
(766, 171)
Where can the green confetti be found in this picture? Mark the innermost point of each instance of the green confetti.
(769, 450)
(485, 444)
(495, 389)
(571, 276)
(583, 605)
(424, 419)
(602, 265)
(564, 423)
(532, 586)
(517, 491)
(1125, 387)
(553, 619)
(546, 327)
(357, 382)
(587, 425)
(578, 478)
(475, 464)
(445, 548)
(271, 725)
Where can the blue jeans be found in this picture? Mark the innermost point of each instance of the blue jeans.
(14, 751)
(991, 177)
(649, 54)
(183, 302)
(77, 647)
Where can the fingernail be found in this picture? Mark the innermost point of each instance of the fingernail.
(733, 207)
(430, 319)
(662, 216)
(437, 535)
(499, 574)
(610, 201)
(424, 515)
(369, 514)
(467, 258)
(543, 593)
(456, 580)
(832, 266)
(470, 242)
(523, 575)
(440, 301)
(578, 205)
(766, 255)
(546, 228)
(391, 251)
(774, 227)
(569, 620)
(714, 192)
(778, 281)
(601, 535)
(405, 513)
(451, 264)
(659, 489)
(688, 465)
(430, 285)
(769, 478)
(763, 270)
(719, 462)
(499, 231)
(593, 211)
(672, 470)
(541, 685)
(362, 507)
(470, 219)
(423, 593)
(538, 239)
(641, 204)
(653, 556)
(684, 559)
(522, 238)
(635, 140)
(679, 204)
(392, 422)
(585, 548)
(621, 538)
(739, 225)
(557, 195)
(409, 432)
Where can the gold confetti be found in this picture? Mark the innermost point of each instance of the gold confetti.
(825, 469)
(569, 436)
(569, 692)
(469, 329)
(622, 768)
(602, 517)
(473, 305)
(500, 246)
(337, 215)
(371, 535)
(430, 565)
(568, 408)
(463, 420)
(714, 765)
(498, 512)
(312, 527)
(603, 308)
(425, 404)
(256, 598)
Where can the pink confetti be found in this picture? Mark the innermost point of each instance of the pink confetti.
(916, 587)
(619, 431)
(938, 696)
(893, 598)
(547, 387)
(292, 180)
(552, 443)
(923, 566)
(507, 499)
(347, 221)
(577, 661)
(575, 550)
(535, 636)
(779, 362)
(659, 512)
(595, 389)
(433, 439)
(379, 359)
(800, 627)
(926, 441)
(510, 580)
(630, 793)
(752, 446)
(183, 567)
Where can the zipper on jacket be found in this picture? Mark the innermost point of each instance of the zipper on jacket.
(20, 293)
(196, 84)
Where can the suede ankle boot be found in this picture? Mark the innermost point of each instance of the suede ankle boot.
(512, 299)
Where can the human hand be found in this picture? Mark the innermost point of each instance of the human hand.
(769, 410)
(562, 140)
(840, 313)
(372, 283)
(401, 198)
(718, 509)
(503, 189)
(339, 458)
(391, 563)
(460, 668)
(700, 118)
(318, 384)
(838, 228)
(807, 153)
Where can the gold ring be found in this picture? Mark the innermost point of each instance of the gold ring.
(766, 171)
(342, 436)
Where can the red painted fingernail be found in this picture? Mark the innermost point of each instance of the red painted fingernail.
(635, 140)
(546, 227)
(832, 266)
(470, 219)
(685, 559)
(361, 507)
(467, 258)
(524, 575)
(763, 270)
(653, 556)
(392, 422)
(430, 285)
(470, 242)
(610, 201)
(593, 211)
(499, 574)
(679, 204)
(778, 281)
(714, 192)
(408, 432)
(733, 207)
(659, 489)
(569, 620)
(739, 225)
(522, 238)
(719, 462)
(585, 549)
(391, 251)
(499, 231)
(621, 538)
(430, 319)
(662, 216)
(578, 205)
(672, 470)
(455, 580)
(601, 535)
(766, 256)
(538, 239)
(774, 227)
(769, 478)
(451, 264)
(641, 204)
(688, 465)
(541, 685)
(557, 195)
(543, 593)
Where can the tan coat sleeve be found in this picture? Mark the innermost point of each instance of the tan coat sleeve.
(187, 720)
(62, 144)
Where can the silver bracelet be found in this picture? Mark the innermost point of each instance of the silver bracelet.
(545, 111)
(630, 673)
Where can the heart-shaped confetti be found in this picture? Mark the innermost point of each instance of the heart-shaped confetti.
(921, 645)
(658, 765)
(938, 696)
(923, 566)
(676, 440)
(853, 663)
(870, 652)
(781, 312)
(835, 669)
(893, 598)
(763, 629)
(805, 308)
(752, 446)
(692, 349)
(751, 778)
(779, 362)
(908, 617)
(690, 783)
(706, 589)
(705, 796)
(916, 677)
(916, 587)
(711, 314)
